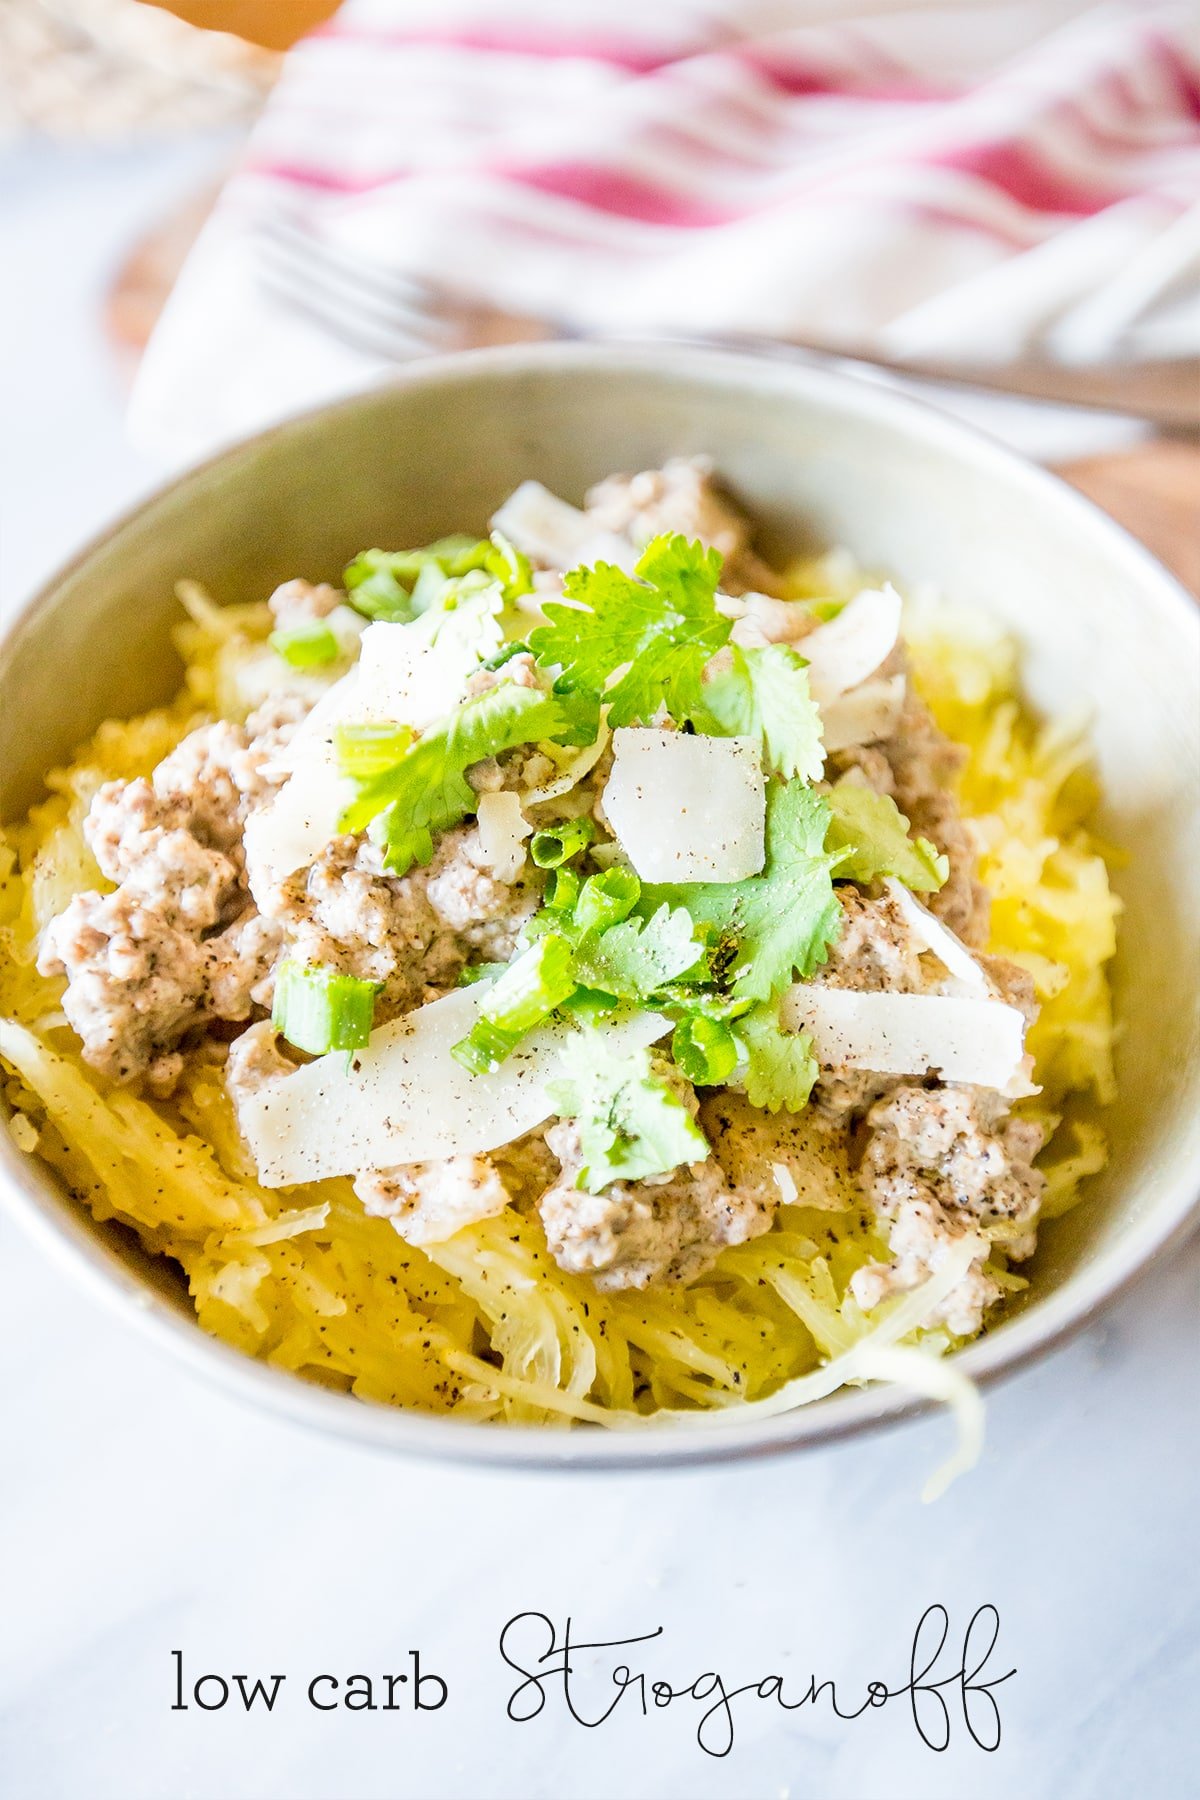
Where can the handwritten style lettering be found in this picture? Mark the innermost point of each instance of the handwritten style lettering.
(552, 1662)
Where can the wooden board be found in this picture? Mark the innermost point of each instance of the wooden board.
(1154, 491)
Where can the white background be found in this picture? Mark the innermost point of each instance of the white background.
(141, 1513)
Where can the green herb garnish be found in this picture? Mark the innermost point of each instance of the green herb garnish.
(318, 1009)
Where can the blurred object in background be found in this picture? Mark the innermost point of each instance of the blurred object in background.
(275, 23)
(1003, 189)
(111, 69)
(1155, 493)
(138, 294)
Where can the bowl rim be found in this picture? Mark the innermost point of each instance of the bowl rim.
(72, 1242)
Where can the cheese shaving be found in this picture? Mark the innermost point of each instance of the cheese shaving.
(407, 675)
(503, 829)
(843, 652)
(978, 1041)
(938, 939)
(406, 1099)
(687, 808)
(553, 532)
(865, 715)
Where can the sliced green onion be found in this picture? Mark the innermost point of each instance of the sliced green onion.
(557, 844)
(318, 1010)
(530, 988)
(705, 1049)
(367, 749)
(460, 554)
(510, 566)
(398, 585)
(562, 890)
(505, 653)
(308, 646)
(606, 899)
(373, 589)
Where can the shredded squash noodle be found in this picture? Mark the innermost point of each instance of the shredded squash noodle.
(486, 1324)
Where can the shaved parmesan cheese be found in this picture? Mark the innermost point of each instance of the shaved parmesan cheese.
(503, 829)
(291, 832)
(416, 674)
(687, 808)
(557, 534)
(842, 653)
(760, 619)
(786, 1183)
(978, 1041)
(609, 856)
(407, 675)
(864, 715)
(937, 938)
(405, 1099)
(577, 765)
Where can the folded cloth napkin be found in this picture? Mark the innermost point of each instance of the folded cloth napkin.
(959, 182)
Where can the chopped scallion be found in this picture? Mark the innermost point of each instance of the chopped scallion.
(510, 566)
(398, 585)
(540, 979)
(557, 844)
(505, 654)
(562, 890)
(373, 590)
(308, 646)
(366, 749)
(318, 1009)
(605, 899)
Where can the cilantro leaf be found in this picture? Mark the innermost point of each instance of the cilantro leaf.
(632, 1117)
(704, 1048)
(654, 630)
(777, 923)
(763, 693)
(634, 958)
(869, 834)
(780, 1067)
(427, 791)
(581, 711)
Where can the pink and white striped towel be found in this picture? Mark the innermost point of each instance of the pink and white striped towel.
(956, 181)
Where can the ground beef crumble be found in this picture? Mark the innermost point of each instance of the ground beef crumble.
(666, 1228)
(685, 497)
(940, 1162)
(177, 944)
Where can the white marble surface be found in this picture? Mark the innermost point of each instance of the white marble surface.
(141, 1513)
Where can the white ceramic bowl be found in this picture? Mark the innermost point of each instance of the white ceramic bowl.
(818, 458)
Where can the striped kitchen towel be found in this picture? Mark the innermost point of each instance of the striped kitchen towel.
(960, 181)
